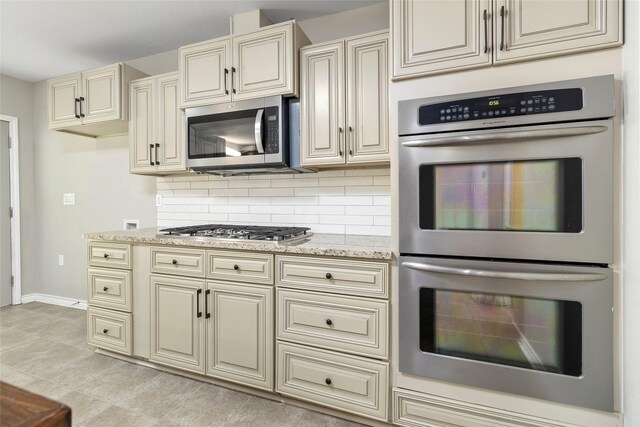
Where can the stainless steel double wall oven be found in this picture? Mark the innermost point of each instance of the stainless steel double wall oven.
(506, 233)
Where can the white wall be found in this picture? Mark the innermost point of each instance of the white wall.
(344, 24)
(352, 201)
(16, 99)
(631, 199)
(562, 68)
(96, 170)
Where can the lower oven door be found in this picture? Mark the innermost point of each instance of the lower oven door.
(537, 192)
(543, 331)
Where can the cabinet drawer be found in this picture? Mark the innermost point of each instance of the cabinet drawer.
(103, 254)
(109, 288)
(183, 262)
(240, 267)
(348, 383)
(353, 325)
(341, 276)
(110, 330)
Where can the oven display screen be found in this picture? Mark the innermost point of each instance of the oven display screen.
(514, 196)
(531, 333)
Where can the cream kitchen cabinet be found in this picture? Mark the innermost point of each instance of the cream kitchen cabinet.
(431, 36)
(156, 126)
(252, 65)
(344, 104)
(91, 103)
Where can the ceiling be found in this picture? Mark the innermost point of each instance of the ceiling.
(44, 39)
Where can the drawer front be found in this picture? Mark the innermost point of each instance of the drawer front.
(182, 262)
(240, 267)
(103, 254)
(354, 325)
(109, 288)
(341, 276)
(347, 383)
(110, 330)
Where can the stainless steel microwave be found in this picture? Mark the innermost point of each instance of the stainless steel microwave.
(253, 136)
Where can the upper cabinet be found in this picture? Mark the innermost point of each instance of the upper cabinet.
(252, 65)
(156, 126)
(344, 102)
(93, 103)
(432, 36)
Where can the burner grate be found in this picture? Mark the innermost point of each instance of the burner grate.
(229, 231)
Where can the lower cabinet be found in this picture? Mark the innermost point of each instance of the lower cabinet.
(224, 330)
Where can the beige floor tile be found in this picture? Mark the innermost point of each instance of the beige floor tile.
(316, 419)
(160, 395)
(210, 406)
(115, 416)
(46, 388)
(83, 407)
(44, 362)
(85, 369)
(15, 377)
(266, 413)
(123, 380)
(11, 336)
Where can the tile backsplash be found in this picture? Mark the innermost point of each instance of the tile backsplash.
(350, 201)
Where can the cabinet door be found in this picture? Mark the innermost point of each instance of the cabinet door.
(528, 29)
(101, 91)
(322, 104)
(64, 97)
(434, 36)
(264, 63)
(367, 99)
(170, 127)
(240, 333)
(141, 142)
(177, 330)
(204, 73)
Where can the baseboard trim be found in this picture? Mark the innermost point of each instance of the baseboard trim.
(55, 300)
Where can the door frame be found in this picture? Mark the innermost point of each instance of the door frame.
(14, 173)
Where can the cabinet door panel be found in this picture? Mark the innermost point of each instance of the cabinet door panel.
(63, 108)
(170, 125)
(431, 36)
(367, 101)
(177, 333)
(540, 28)
(141, 101)
(101, 91)
(204, 73)
(264, 63)
(322, 104)
(240, 334)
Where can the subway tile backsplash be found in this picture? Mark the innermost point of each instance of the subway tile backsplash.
(351, 201)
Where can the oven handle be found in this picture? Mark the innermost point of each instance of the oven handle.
(258, 131)
(505, 136)
(513, 275)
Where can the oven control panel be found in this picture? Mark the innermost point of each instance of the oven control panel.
(512, 104)
(272, 133)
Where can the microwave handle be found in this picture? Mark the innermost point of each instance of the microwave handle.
(504, 136)
(258, 131)
(513, 275)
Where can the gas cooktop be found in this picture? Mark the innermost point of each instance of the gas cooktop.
(244, 232)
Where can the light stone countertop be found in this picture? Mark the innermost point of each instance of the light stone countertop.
(339, 245)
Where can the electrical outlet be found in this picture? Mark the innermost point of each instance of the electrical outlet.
(69, 199)
(131, 224)
(61, 260)
(158, 199)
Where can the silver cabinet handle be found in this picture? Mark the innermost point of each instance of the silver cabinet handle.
(503, 12)
(513, 275)
(258, 131)
(486, 31)
(504, 136)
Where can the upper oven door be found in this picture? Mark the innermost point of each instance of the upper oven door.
(236, 133)
(536, 192)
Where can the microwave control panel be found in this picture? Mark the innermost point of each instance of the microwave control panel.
(512, 104)
(272, 136)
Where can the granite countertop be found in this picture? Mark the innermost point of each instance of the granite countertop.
(354, 246)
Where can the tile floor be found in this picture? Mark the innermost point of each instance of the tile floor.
(43, 349)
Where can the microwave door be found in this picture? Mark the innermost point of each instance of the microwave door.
(258, 131)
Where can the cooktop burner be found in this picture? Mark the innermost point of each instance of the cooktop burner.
(248, 232)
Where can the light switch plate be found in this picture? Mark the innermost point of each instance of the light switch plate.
(158, 199)
(69, 199)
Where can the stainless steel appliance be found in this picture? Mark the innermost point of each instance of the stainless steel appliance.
(506, 230)
(254, 136)
(241, 232)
